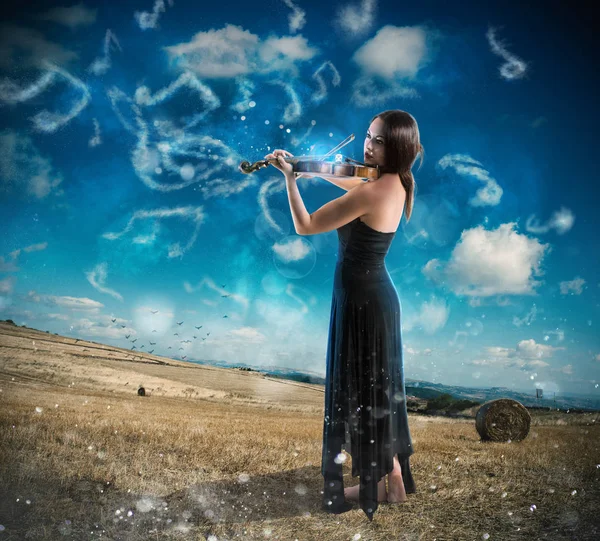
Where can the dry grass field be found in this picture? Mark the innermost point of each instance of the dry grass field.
(214, 454)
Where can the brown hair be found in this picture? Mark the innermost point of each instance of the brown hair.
(402, 145)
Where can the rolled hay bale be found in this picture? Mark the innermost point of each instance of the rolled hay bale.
(502, 420)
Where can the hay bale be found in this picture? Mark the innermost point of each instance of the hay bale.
(502, 420)
(141, 391)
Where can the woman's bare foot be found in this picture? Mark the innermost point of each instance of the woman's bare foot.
(351, 493)
(396, 492)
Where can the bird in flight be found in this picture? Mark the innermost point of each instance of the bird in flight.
(199, 327)
(134, 341)
(113, 320)
(123, 326)
(225, 316)
(127, 335)
(154, 330)
(207, 334)
(152, 343)
(154, 311)
(151, 351)
(179, 322)
(226, 295)
(176, 334)
(184, 357)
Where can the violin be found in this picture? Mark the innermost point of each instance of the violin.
(322, 166)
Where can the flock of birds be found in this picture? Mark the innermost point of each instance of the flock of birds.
(186, 341)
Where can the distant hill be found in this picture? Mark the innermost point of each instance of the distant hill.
(419, 390)
(425, 390)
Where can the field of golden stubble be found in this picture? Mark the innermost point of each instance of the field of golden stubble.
(214, 454)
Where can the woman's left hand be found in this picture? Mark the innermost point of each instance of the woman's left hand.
(286, 168)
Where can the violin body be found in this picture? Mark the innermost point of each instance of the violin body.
(309, 166)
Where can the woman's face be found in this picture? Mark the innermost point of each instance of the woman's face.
(374, 147)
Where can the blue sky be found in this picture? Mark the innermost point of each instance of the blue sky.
(122, 129)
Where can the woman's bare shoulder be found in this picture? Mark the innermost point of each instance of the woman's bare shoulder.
(386, 183)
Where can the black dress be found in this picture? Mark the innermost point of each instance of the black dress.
(365, 397)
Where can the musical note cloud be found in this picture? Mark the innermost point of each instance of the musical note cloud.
(46, 121)
(185, 80)
(97, 277)
(319, 96)
(297, 19)
(490, 194)
(102, 64)
(245, 89)
(514, 68)
(195, 214)
(148, 20)
(293, 110)
(96, 140)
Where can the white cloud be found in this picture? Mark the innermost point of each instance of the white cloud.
(27, 48)
(393, 52)
(233, 51)
(356, 19)
(69, 303)
(60, 317)
(529, 349)
(561, 221)
(527, 319)
(432, 316)
(370, 92)
(527, 355)
(8, 266)
(387, 62)
(575, 286)
(7, 284)
(23, 171)
(491, 262)
(36, 247)
(291, 250)
(73, 16)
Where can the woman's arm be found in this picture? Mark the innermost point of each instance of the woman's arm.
(345, 183)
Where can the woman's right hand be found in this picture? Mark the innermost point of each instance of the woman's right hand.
(283, 153)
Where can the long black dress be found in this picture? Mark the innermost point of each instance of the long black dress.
(365, 397)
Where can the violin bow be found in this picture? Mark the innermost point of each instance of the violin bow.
(348, 139)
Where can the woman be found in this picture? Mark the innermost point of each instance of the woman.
(365, 397)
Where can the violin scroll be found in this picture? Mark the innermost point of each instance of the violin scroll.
(247, 167)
